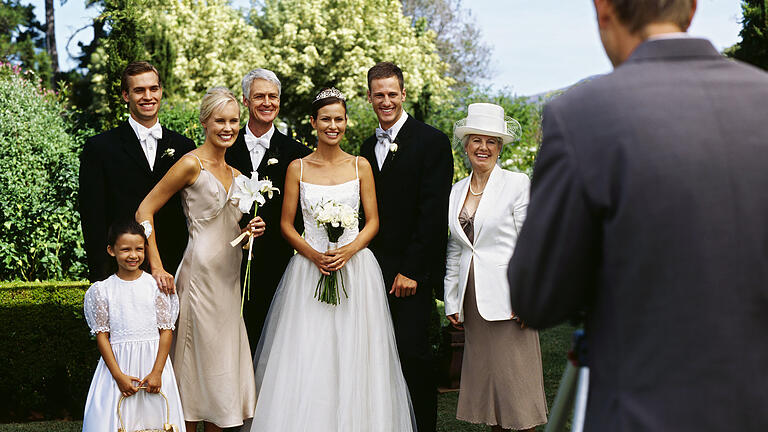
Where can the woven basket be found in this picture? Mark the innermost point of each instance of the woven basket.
(167, 427)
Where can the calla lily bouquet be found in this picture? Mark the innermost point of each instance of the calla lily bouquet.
(249, 191)
(335, 218)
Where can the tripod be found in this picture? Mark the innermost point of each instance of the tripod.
(573, 389)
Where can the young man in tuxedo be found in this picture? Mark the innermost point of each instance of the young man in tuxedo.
(413, 169)
(119, 167)
(648, 212)
(261, 147)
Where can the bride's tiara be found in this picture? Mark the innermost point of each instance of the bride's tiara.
(330, 92)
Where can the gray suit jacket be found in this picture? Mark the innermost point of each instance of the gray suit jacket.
(649, 211)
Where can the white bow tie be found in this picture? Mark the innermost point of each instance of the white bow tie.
(251, 142)
(383, 136)
(155, 132)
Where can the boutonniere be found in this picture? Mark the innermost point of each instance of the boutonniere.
(272, 161)
(169, 152)
(393, 148)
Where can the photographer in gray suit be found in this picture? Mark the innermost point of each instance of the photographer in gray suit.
(649, 212)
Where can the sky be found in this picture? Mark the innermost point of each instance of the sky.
(537, 45)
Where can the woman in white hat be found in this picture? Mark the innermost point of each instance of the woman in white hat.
(501, 378)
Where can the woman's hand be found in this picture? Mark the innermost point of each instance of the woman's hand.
(164, 280)
(454, 319)
(518, 320)
(339, 257)
(321, 261)
(256, 226)
(125, 384)
(153, 382)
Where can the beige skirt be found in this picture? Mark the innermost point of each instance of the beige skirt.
(501, 376)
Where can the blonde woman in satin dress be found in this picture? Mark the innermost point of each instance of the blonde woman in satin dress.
(211, 355)
(501, 377)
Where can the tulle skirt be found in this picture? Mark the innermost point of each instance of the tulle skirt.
(140, 411)
(327, 368)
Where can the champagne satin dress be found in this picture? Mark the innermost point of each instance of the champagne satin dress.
(211, 354)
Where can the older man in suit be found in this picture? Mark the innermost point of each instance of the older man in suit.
(262, 148)
(119, 167)
(648, 211)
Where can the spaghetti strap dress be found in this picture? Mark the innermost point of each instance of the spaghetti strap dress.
(211, 354)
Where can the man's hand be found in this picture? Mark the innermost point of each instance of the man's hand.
(403, 286)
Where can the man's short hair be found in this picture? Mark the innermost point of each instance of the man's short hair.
(385, 70)
(264, 74)
(137, 68)
(638, 14)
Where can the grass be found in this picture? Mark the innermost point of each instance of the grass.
(555, 343)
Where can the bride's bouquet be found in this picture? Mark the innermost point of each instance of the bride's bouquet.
(249, 191)
(335, 218)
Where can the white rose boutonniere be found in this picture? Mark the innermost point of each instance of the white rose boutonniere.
(393, 148)
(169, 152)
(272, 161)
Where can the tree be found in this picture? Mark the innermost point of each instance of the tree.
(312, 44)
(458, 40)
(121, 47)
(194, 44)
(50, 35)
(22, 40)
(753, 47)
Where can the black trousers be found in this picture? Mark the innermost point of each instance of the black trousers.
(411, 319)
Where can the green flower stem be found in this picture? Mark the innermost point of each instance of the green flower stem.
(247, 281)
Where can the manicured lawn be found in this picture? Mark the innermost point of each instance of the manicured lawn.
(554, 344)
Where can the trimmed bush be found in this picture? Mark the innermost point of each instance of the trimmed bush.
(184, 119)
(48, 356)
(39, 225)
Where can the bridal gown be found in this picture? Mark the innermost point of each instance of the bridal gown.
(326, 368)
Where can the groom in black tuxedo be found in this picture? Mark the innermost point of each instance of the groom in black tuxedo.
(119, 167)
(413, 169)
(261, 147)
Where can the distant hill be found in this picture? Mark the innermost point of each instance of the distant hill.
(545, 97)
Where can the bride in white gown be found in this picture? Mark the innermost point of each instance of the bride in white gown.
(322, 367)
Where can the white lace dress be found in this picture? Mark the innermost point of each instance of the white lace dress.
(131, 312)
(325, 368)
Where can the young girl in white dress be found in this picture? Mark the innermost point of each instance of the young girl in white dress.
(133, 322)
(323, 367)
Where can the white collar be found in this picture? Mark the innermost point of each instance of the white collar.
(136, 126)
(395, 129)
(673, 35)
(267, 136)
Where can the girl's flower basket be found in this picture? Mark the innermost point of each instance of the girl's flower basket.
(167, 427)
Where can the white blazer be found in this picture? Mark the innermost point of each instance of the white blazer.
(498, 220)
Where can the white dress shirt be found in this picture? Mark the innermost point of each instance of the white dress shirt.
(257, 146)
(383, 145)
(148, 139)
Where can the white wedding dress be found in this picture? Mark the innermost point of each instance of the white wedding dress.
(325, 368)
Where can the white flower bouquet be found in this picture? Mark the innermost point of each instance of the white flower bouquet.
(249, 191)
(335, 218)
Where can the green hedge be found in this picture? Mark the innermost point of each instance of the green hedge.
(39, 225)
(47, 356)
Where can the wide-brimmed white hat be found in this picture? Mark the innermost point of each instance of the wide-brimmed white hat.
(487, 119)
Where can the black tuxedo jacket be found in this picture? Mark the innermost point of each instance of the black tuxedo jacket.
(114, 179)
(270, 251)
(648, 209)
(412, 190)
